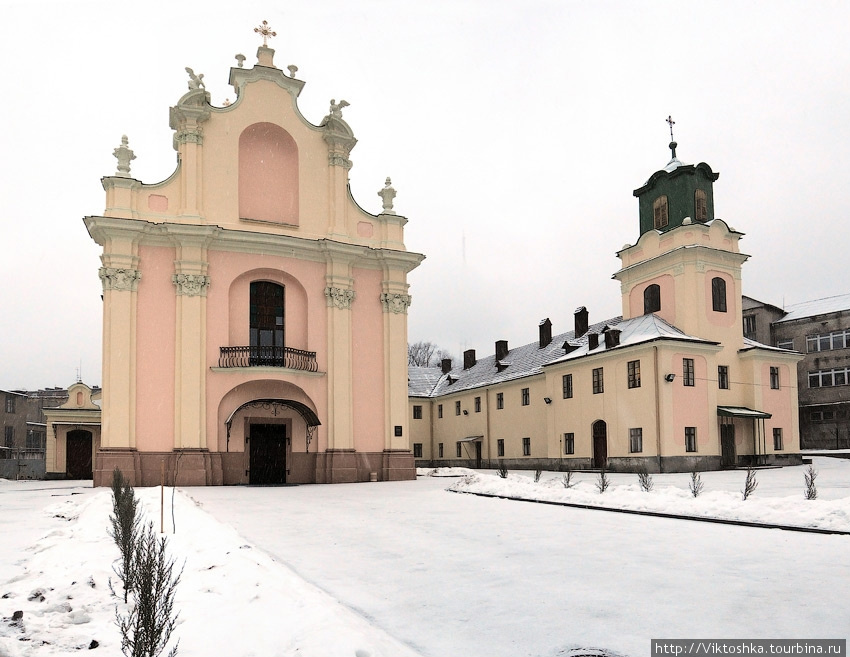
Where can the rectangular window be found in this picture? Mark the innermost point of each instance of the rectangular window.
(440, 411)
(634, 373)
(774, 378)
(10, 437)
(750, 326)
(567, 385)
(500, 400)
(822, 416)
(458, 449)
(417, 450)
(723, 377)
(417, 412)
(526, 446)
(440, 449)
(636, 440)
(525, 397)
(785, 344)
(10, 404)
(35, 439)
(478, 404)
(688, 371)
(838, 376)
(500, 447)
(690, 439)
(569, 443)
(777, 440)
(598, 381)
(457, 408)
(828, 341)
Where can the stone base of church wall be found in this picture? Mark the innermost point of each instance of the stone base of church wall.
(203, 468)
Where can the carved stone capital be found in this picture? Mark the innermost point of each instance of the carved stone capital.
(191, 285)
(395, 303)
(189, 137)
(339, 297)
(115, 278)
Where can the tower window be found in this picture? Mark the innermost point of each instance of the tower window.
(700, 205)
(718, 294)
(659, 213)
(652, 299)
(688, 371)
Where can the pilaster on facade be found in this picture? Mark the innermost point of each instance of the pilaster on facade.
(121, 195)
(395, 302)
(186, 119)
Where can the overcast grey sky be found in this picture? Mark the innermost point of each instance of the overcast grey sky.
(514, 133)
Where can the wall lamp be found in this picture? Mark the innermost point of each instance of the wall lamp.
(465, 412)
(669, 378)
(548, 400)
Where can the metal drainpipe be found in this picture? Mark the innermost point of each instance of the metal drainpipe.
(657, 410)
(487, 427)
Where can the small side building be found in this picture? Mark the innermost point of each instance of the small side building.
(73, 430)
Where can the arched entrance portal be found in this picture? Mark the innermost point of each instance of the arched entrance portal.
(600, 444)
(268, 439)
(78, 451)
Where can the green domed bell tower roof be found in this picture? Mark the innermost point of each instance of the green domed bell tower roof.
(677, 191)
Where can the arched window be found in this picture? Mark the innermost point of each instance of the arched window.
(718, 295)
(700, 206)
(266, 324)
(659, 212)
(651, 299)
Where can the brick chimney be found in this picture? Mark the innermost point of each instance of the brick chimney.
(446, 365)
(545, 330)
(501, 349)
(580, 321)
(469, 358)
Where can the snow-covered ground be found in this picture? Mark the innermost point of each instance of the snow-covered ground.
(406, 568)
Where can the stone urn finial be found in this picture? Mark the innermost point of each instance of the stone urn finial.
(387, 194)
(124, 155)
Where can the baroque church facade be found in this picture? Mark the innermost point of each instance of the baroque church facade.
(670, 385)
(254, 315)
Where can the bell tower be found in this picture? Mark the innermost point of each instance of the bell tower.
(677, 191)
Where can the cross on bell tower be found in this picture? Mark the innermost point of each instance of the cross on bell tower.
(673, 143)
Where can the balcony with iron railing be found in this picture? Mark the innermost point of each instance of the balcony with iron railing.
(252, 356)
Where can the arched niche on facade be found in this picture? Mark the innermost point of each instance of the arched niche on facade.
(268, 174)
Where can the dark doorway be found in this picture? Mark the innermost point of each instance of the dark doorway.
(477, 455)
(728, 456)
(78, 448)
(600, 444)
(267, 454)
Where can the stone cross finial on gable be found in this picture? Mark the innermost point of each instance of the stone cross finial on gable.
(387, 194)
(124, 155)
(266, 32)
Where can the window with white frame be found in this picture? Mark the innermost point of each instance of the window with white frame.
(10, 404)
(636, 440)
(785, 344)
(837, 376)
(828, 341)
(750, 326)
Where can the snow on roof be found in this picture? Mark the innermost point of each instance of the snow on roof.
(752, 344)
(530, 359)
(673, 164)
(816, 307)
(421, 380)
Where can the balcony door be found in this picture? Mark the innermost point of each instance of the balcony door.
(266, 323)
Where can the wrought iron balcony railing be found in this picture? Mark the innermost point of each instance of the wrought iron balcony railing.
(295, 359)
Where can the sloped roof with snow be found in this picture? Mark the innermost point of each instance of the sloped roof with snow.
(530, 359)
(816, 307)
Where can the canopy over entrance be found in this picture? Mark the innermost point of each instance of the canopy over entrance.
(275, 405)
(741, 411)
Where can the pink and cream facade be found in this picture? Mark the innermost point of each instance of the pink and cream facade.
(671, 385)
(254, 316)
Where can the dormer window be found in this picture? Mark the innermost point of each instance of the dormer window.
(651, 299)
(718, 295)
(659, 212)
(700, 206)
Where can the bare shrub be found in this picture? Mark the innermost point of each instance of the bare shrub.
(750, 484)
(810, 475)
(645, 480)
(503, 470)
(696, 485)
(567, 479)
(602, 481)
(147, 628)
(537, 474)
